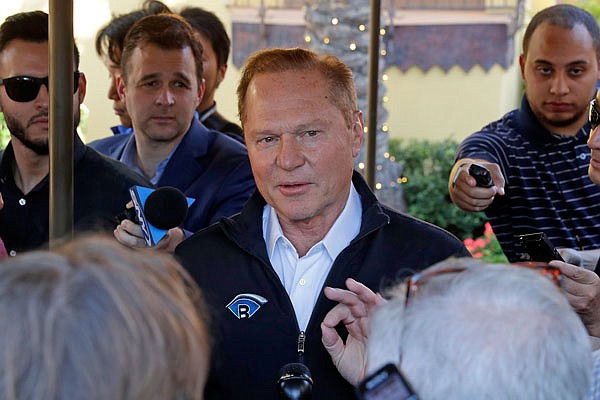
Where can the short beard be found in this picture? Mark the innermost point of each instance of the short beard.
(40, 146)
(560, 123)
(17, 130)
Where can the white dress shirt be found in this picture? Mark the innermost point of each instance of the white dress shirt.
(303, 277)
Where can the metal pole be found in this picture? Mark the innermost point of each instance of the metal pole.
(372, 94)
(61, 119)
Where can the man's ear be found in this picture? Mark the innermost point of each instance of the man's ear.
(221, 71)
(358, 133)
(201, 89)
(121, 88)
(82, 86)
(522, 64)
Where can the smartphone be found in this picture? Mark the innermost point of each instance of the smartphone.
(387, 383)
(537, 247)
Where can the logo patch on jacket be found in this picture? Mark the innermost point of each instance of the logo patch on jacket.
(244, 305)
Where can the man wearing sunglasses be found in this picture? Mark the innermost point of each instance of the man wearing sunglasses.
(537, 155)
(100, 184)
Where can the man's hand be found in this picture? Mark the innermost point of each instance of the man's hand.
(168, 243)
(582, 288)
(130, 234)
(1, 202)
(463, 188)
(355, 308)
(587, 259)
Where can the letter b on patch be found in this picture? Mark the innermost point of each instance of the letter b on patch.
(245, 305)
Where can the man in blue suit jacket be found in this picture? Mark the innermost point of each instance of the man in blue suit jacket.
(161, 86)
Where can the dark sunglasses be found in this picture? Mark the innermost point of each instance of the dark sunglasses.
(415, 281)
(26, 88)
(594, 116)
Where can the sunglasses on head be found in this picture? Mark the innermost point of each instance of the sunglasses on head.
(594, 116)
(415, 281)
(26, 88)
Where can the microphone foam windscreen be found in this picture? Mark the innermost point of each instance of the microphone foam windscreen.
(166, 207)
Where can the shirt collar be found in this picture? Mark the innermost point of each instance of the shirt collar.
(203, 116)
(130, 154)
(344, 229)
(538, 133)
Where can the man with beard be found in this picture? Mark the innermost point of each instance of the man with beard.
(537, 155)
(100, 184)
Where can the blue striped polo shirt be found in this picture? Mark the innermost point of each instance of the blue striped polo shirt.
(547, 184)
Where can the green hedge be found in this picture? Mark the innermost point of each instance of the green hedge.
(4, 133)
(426, 166)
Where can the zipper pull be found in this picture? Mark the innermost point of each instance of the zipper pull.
(301, 340)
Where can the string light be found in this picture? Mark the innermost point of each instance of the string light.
(353, 45)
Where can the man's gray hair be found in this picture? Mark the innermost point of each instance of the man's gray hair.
(95, 320)
(489, 332)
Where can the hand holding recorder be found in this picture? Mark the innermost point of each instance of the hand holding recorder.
(474, 183)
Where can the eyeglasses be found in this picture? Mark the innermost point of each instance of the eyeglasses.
(26, 88)
(415, 281)
(594, 116)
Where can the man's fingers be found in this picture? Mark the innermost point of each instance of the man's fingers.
(365, 294)
(130, 234)
(339, 313)
(331, 339)
(497, 176)
(577, 274)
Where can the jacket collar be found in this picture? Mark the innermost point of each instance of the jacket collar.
(184, 165)
(246, 228)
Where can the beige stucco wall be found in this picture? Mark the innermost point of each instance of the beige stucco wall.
(431, 104)
(439, 105)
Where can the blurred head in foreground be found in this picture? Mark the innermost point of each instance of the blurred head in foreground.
(488, 331)
(94, 320)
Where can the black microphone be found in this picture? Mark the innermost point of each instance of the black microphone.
(166, 207)
(295, 382)
(156, 210)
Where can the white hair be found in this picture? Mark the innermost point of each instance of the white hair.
(491, 331)
(93, 320)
